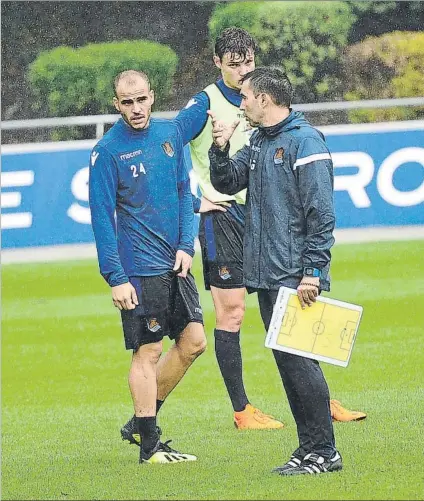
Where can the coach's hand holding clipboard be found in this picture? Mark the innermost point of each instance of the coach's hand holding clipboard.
(308, 290)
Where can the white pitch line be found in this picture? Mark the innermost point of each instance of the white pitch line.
(88, 251)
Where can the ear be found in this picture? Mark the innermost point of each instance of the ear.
(116, 103)
(264, 100)
(217, 62)
(152, 96)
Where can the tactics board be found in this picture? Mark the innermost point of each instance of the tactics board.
(326, 331)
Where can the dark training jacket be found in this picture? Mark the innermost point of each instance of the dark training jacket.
(288, 172)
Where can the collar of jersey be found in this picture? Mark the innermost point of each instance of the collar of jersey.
(232, 95)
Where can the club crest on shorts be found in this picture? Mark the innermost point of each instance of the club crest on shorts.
(279, 155)
(168, 149)
(224, 272)
(153, 325)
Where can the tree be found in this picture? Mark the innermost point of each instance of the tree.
(388, 66)
(70, 81)
(304, 38)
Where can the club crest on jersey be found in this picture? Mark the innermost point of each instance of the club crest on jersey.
(153, 325)
(279, 155)
(168, 149)
(224, 272)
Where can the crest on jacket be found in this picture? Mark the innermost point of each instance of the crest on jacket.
(279, 155)
(168, 149)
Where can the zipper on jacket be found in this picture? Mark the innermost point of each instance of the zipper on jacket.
(290, 246)
(256, 159)
(260, 230)
(260, 218)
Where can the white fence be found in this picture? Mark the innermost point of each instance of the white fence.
(100, 120)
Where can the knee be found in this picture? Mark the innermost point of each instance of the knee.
(194, 347)
(231, 316)
(148, 354)
(197, 347)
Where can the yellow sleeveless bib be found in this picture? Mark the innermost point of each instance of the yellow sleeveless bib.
(199, 146)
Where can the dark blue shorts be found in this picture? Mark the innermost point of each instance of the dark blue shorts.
(221, 241)
(167, 304)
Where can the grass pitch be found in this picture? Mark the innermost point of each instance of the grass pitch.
(65, 393)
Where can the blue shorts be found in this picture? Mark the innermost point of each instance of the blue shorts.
(167, 304)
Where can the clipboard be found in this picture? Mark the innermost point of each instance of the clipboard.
(326, 331)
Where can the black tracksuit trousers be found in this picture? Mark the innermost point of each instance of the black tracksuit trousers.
(306, 390)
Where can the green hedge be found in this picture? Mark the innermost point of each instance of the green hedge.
(68, 81)
(389, 66)
(305, 38)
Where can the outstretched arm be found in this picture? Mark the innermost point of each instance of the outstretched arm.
(191, 119)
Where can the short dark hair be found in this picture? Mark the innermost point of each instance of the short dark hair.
(129, 75)
(234, 41)
(272, 81)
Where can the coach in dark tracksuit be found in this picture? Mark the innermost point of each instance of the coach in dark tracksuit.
(288, 173)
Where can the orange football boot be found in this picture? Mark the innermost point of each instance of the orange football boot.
(254, 419)
(339, 413)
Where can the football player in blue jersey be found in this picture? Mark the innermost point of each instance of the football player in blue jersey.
(137, 171)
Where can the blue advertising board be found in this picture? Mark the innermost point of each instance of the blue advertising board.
(379, 181)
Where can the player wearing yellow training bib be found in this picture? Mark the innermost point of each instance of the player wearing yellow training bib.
(221, 233)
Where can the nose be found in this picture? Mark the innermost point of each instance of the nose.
(244, 70)
(137, 108)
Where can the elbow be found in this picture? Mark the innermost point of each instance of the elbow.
(217, 182)
(222, 185)
(230, 191)
(320, 231)
(330, 221)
